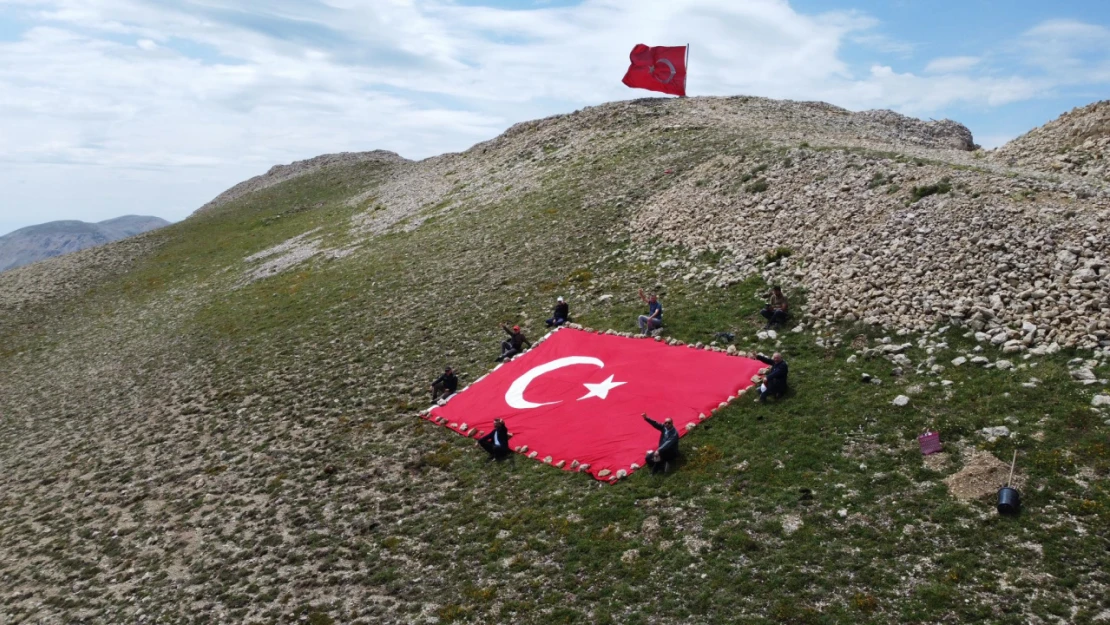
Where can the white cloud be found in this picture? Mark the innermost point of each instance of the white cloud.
(133, 92)
(951, 64)
(1063, 46)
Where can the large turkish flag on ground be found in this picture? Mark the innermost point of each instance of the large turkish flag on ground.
(577, 398)
(659, 68)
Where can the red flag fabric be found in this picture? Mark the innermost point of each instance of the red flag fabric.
(659, 68)
(575, 400)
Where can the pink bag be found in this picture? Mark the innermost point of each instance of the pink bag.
(930, 443)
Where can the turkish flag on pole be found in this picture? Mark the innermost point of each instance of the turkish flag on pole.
(659, 68)
(577, 398)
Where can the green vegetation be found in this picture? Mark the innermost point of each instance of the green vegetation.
(778, 254)
(879, 179)
(944, 186)
(759, 186)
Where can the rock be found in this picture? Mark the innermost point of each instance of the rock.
(851, 359)
(791, 523)
(1099, 401)
(1083, 375)
(994, 433)
(605, 298)
(958, 361)
(980, 360)
(1004, 365)
(799, 329)
(630, 556)
(865, 377)
(901, 400)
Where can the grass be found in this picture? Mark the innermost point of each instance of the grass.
(193, 443)
(924, 191)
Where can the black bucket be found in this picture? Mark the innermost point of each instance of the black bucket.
(1009, 501)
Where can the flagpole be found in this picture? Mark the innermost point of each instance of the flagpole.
(685, 76)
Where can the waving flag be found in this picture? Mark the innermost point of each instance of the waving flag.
(659, 68)
(576, 399)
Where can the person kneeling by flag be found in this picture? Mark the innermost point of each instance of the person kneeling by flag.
(561, 315)
(514, 345)
(654, 319)
(496, 443)
(658, 459)
(445, 385)
(774, 381)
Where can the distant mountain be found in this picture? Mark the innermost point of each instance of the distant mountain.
(35, 243)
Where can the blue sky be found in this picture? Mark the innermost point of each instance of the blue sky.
(111, 107)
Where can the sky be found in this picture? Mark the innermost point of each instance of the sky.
(154, 107)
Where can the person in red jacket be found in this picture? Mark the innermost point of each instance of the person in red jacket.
(514, 345)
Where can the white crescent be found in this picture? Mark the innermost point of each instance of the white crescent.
(670, 66)
(515, 395)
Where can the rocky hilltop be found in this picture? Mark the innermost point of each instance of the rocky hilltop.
(217, 421)
(55, 238)
(1077, 142)
(908, 227)
(281, 173)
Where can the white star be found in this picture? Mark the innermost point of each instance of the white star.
(601, 390)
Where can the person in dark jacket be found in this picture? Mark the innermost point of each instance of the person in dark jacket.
(667, 449)
(774, 381)
(562, 313)
(514, 345)
(445, 385)
(496, 443)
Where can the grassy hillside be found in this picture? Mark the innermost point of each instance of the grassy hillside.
(180, 443)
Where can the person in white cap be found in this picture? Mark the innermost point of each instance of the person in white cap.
(562, 313)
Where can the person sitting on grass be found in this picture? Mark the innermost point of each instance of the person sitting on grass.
(496, 443)
(445, 384)
(777, 309)
(562, 313)
(774, 381)
(654, 319)
(515, 343)
(667, 450)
